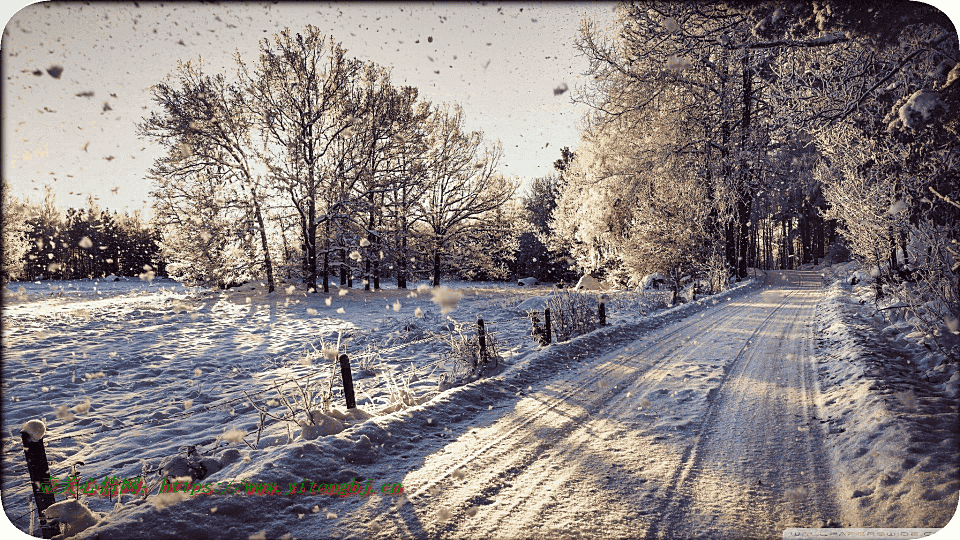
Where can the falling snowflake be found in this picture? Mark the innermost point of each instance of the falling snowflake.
(233, 435)
(64, 414)
(446, 298)
(81, 408)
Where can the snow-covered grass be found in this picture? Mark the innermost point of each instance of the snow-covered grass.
(164, 378)
(127, 374)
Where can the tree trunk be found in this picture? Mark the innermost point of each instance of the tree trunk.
(743, 240)
(436, 267)
(783, 243)
(366, 274)
(402, 261)
(791, 256)
(744, 194)
(894, 265)
(730, 247)
(326, 270)
(343, 263)
(263, 240)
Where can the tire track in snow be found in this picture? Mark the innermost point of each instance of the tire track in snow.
(704, 497)
(498, 459)
(577, 440)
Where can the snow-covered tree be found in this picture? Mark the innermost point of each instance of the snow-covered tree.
(16, 243)
(407, 182)
(464, 188)
(301, 90)
(205, 230)
(533, 256)
(206, 124)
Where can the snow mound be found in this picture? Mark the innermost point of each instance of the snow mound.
(653, 281)
(528, 282)
(350, 416)
(921, 105)
(589, 283)
(322, 425)
(534, 303)
(73, 517)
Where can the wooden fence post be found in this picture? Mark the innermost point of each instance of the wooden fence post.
(482, 338)
(546, 317)
(603, 314)
(39, 470)
(347, 382)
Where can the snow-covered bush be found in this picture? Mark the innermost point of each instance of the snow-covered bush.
(463, 358)
(303, 407)
(400, 393)
(15, 244)
(573, 313)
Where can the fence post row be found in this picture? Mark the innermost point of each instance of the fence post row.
(546, 318)
(482, 338)
(39, 470)
(347, 382)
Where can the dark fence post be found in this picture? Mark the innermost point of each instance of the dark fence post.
(546, 317)
(347, 382)
(39, 470)
(482, 338)
(603, 314)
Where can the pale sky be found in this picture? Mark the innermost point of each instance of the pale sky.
(502, 62)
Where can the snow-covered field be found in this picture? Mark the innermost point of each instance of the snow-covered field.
(656, 418)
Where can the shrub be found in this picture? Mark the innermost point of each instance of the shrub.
(573, 314)
(463, 356)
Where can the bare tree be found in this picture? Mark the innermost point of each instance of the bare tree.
(300, 89)
(205, 124)
(464, 188)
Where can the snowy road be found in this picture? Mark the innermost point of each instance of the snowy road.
(704, 428)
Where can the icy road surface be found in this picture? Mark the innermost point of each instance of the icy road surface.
(708, 427)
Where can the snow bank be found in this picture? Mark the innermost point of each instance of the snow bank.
(890, 424)
(589, 283)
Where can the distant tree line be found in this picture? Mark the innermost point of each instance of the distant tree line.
(41, 241)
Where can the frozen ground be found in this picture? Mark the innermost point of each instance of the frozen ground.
(741, 414)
